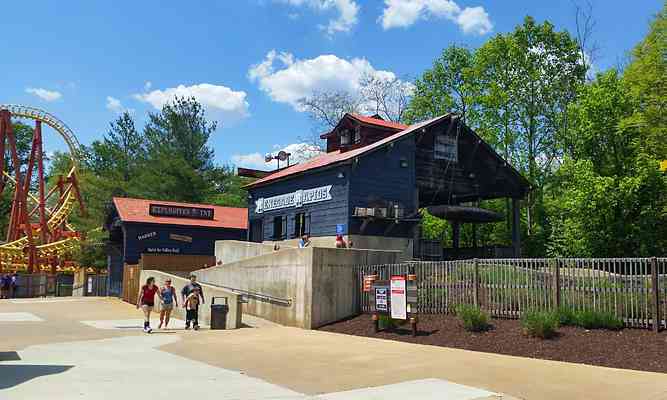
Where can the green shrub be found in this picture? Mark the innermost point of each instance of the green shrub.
(541, 324)
(590, 319)
(474, 319)
(385, 322)
(566, 316)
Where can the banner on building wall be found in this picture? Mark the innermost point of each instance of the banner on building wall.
(180, 238)
(161, 210)
(148, 235)
(294, 199)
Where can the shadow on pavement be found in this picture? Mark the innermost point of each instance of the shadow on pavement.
(12, 375)
(9, 356)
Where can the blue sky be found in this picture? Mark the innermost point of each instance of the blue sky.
(248, 60)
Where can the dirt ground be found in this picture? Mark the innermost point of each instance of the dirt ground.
(628, 348)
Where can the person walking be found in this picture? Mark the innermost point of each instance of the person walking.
(168, 296)
(5, 285)
(146, 300)
(187, 291)
(14, 286)
(192, 309)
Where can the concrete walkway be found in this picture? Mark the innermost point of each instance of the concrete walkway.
(94, 349)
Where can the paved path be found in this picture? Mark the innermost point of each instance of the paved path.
(94, 349)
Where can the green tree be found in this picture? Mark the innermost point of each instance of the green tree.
(449, 86)
(179, 158)
(228, 188)
(182, 130)
(647, 87)
(610, 199)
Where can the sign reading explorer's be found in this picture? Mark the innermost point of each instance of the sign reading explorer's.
(159, 210)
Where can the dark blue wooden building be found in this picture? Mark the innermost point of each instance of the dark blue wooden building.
(374, 178)
(138, 226)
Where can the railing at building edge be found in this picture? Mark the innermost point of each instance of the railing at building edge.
(253, 295)
(633, 289)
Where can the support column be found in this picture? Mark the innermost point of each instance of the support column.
(456, 234)
(516, 227)
(474, 235)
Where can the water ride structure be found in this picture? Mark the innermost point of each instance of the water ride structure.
(39, 236)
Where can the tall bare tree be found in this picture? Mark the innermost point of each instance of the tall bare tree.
(386, 96)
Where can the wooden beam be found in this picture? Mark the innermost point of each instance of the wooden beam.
(456, 234)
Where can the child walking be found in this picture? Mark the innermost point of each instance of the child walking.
(192, 310)
(167, 305)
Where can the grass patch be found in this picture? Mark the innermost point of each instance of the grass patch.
(541, 324)
(474, 319)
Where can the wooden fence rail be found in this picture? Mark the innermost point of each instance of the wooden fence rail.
(633, 289)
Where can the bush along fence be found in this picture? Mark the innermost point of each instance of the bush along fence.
(633, 289)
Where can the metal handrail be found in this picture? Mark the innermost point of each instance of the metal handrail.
(254, 295)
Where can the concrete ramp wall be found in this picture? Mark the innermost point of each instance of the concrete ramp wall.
(319, 282)
(229, 251)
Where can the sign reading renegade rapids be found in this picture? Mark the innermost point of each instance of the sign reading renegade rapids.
(294, 199)
(160, 210)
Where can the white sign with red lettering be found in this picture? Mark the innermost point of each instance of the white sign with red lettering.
(398, 297)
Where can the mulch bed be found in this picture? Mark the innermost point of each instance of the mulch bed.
(628, 348)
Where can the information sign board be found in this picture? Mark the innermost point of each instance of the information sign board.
(381, 299)
(340, 229)
(398, 297)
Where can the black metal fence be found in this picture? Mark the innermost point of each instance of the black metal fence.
(633, 289)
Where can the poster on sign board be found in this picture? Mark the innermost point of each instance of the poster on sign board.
(398, 297)
(381, 299)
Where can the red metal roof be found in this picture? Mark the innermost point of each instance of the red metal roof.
(136, 210)
(370, 121)
(379, 122)
(336, 156)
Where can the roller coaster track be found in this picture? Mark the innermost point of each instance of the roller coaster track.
(36, 114)
(15, 250)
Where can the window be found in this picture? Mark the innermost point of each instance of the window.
(301, 224)
(279, 228)
(345, 137)
(446, 148)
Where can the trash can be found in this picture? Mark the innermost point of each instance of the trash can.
(219, 314)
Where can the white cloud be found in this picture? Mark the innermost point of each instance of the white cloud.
(252, 160)
(300, 152)
(348, 11)
(46, 95)
(404, 13)
(286, 79)
(115, 105)
(474, 20)
(220, 101)
(147, 86)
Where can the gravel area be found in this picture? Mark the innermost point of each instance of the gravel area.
(628, 348)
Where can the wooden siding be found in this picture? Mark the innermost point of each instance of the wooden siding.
(478, 173)
(203, 239)
(323, 215)
(378, 179)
